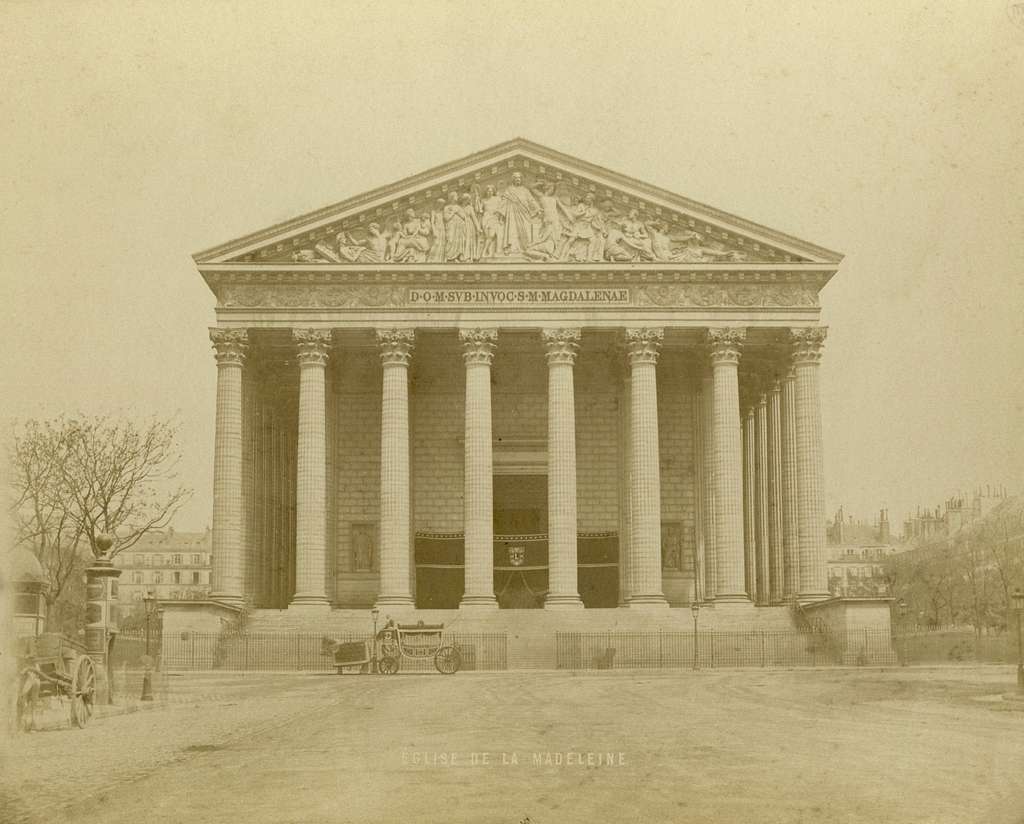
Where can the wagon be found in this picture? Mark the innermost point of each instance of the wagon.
(393, 643)
(416, 641)
(51, 664)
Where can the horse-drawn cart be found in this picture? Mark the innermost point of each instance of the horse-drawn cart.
(393, 643)
(51, 664)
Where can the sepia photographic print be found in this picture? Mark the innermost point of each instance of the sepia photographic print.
(519, 412)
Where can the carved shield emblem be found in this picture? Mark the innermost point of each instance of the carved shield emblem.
(516, 554)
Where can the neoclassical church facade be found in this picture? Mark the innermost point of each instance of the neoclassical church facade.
(517, 381)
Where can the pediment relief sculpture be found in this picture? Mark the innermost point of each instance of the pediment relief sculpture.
(519, 218)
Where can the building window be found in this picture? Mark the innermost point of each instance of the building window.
(197, 559)
(158, 577)
(136, 577)
(177, 560)
(195, 577)
(177, 578)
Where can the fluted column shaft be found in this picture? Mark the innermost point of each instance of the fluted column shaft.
(807, 347)
(708, 490)
(478, 498)
(625, 486)
(790, 509)
(724, 348)
(561, 347)
(311, 470)
(230, 348)
(776, 561)
(396, 347)
(645, 470)
(761, 497)
(750, 501)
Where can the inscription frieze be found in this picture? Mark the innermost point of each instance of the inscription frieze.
(383, 296)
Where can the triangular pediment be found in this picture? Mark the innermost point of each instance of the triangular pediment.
(517, 202)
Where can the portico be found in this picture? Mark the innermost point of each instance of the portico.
(561, 427)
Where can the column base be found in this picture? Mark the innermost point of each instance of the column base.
(310, 603)
(228, 599)
(481, 602)
(734, 599)
(655, 601)
(563, 602)
(812, 597)
(394, 601)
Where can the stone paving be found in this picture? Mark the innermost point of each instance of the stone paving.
(935, 746)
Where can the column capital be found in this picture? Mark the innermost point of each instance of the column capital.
(724, 342)
(561, 344)
(230, 345)
(807, 343)
(313, 345)
(643, 344)
(396, 346)
(478, 345)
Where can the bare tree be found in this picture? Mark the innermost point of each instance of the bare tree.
(77, 478)
(42, 519)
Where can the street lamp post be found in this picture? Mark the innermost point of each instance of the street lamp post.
(373, 661)
(149, 599)
(901, 629)
(1018, 607)
(695, 610)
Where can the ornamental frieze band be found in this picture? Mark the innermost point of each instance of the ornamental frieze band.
(682, 295)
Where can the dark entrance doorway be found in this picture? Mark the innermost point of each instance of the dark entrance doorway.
(520, 540)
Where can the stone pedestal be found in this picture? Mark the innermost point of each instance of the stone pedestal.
(101, 617)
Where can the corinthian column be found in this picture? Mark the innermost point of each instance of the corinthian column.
(562, 346)
(395, 353)
(478, 500)
(776, 561)
(790, 510)
(761, 497)
(750, 500)
(807, 346)
(724, 350)
(645, 471)
(230, 347)
(311, 471)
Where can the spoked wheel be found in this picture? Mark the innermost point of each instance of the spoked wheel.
(28, 698)
(387, 665)
(447, 660)
(83, 691)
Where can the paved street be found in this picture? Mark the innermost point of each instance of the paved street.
(933, 746)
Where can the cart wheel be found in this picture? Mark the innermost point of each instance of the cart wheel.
(83, 691)
(28, 696)
(387, 665)
(447, 660)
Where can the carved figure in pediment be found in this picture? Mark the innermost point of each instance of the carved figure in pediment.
(474, 230)
(307, 256)
(410, 241)
(636, 236)
(489, 208)
(519, 208)
(372, 250)
(584, 240)
(615, 249)
(548, 231)
(457, 235)
(435, 254)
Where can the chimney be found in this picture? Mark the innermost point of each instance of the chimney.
(883, 527)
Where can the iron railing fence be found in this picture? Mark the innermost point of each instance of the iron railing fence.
(304, 652)
(956, 646)
(130, 646)
(710, 649)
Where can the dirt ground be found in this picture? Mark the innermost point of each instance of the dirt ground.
(914, 745)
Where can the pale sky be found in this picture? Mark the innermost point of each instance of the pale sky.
(136, 134)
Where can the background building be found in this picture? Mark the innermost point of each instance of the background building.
(174, 565)
(857, 552)
(954, 514)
